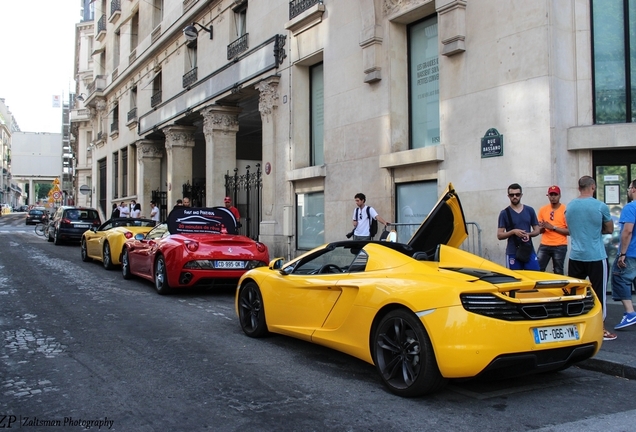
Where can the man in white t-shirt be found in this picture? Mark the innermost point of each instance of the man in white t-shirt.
(154, 212)
(124, 210)
(361, 222)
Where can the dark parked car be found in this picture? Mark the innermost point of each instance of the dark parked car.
(23, 208)
(69, 223)
(37, 215)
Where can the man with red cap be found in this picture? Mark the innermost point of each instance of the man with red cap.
(228, 204)
(554, 241)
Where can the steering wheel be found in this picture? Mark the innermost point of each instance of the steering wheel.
(330, 268)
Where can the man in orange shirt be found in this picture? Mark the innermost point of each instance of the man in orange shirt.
(554, 241)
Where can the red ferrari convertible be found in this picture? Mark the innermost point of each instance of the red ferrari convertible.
(196, 247)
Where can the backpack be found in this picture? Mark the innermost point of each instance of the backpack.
(373, 224)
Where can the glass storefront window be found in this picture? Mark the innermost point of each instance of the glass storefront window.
(424, 83)
(317, 114)
(413, 202)
(310, 220)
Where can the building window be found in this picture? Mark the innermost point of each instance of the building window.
(115, 174)
(614, 57)
(155, 99)
(190, 76)
(114, 126)
(157, 15)
(240, 19)
(101, 187)
(317, 116)
(423, 83)
(132, 114)
(310, 220)
(124, 172)
(134, 31)
(413, 203)
(116, 48)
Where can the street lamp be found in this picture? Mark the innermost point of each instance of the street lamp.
(191, 33)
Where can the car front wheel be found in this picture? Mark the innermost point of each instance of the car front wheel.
(251, 311)
(84, 251)
(125, 265)
(161, 276)
(403, 355)
(107, 259)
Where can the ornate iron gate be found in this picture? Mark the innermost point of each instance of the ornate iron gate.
(246, 193)
(161, 198)
(196, 193)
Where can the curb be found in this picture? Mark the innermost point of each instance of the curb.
(607, 366)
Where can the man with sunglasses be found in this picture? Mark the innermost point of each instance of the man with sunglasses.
(588, 219)
(361, 221)
(554, 230)
(518, 223)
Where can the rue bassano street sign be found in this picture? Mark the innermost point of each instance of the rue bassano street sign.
(492, 144)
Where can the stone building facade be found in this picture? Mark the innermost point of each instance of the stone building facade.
(323, 99)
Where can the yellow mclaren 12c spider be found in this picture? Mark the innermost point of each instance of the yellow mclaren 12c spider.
(425, 311)
(105, 243)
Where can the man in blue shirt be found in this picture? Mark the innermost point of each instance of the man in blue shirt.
(588, 219)
(624, 268)
(518, 223)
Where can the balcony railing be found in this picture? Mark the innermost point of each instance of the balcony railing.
(190, 78)
(115, 6)
(101, 24)
(237, 47)
(155, 99)
(114, 126)
(296, 7)
(132, 114)
(100, 135)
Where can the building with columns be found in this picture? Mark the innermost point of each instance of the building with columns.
(293, 107)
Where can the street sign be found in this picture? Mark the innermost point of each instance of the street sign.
(85, 190)
(492, 144)
(57, 195)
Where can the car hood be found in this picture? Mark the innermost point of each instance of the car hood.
(445, 224)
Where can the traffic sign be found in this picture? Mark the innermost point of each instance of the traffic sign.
(57, 195)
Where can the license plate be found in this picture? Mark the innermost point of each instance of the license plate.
(555, 334)
(228, 264)
(82, 226)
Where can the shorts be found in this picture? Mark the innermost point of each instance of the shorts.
(514, 264)
(622, 279)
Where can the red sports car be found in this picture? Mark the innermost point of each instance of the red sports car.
(196, 247)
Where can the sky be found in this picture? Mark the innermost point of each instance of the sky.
(37, 57)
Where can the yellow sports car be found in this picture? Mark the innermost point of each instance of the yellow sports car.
(424, 311)
(105, 243)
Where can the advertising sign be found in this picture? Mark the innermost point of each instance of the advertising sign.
(201, 220)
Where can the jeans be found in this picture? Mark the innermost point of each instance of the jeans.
(515, 264)
(622, 278)
(557, 253)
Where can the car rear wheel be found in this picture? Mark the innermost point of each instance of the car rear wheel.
(84, 251)
(403, 355)
(56, 239)
(161, 276)
(251, 311)
(107, 259)
(125, 265)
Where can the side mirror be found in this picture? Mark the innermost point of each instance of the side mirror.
(94, 229)
(276, 263)
(139, 236)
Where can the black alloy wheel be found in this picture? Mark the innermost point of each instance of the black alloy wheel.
(56, 239)
(251, 311)
(84, 251)
(125, 265)
(161, 277)
(403, 355)
(107, 259)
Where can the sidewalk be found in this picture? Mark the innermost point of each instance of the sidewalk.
(617, 357)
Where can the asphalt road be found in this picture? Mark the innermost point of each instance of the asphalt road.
(81, 344)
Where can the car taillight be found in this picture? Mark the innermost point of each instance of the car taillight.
(65, 221)
(260, 247)
(191, 245)
(128, 234)
(96, 222)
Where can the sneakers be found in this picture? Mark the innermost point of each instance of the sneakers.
(607, 336)
(628, 319)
